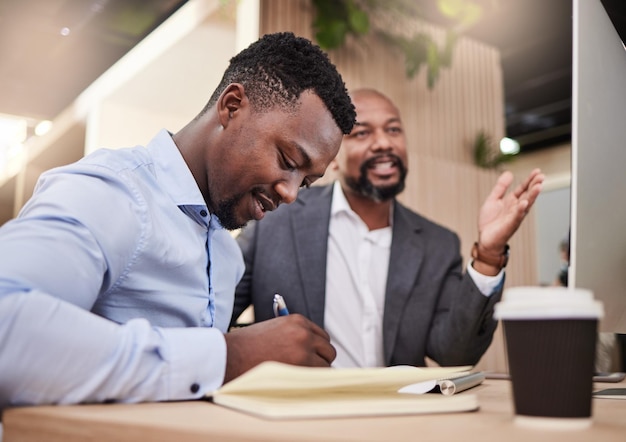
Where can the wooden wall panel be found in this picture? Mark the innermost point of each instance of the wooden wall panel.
(441, 124)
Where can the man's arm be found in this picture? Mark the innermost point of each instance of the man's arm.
(64, 249)
(56, 353)
(465, 311)
(462, 326)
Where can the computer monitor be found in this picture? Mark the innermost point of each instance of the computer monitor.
(598, 186)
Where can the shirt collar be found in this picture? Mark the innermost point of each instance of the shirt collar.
(340, 204)
(173, 172)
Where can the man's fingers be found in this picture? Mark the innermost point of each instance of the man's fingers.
(291, 339)
(502, 184)
(532, 180)
(319, 331)
(318, 341)
(321, 345)
(326, 351)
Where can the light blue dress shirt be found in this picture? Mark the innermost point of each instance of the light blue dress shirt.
(124, 234)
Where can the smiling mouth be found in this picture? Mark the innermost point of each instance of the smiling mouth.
(383, 165)
(266, 203)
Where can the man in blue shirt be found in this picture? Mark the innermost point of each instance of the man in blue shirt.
(117, 278)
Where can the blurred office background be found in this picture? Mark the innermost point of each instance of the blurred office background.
(78, 75)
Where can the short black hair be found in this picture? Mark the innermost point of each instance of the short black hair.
(278, 67)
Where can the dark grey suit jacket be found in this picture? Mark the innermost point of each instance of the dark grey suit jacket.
(432, 308)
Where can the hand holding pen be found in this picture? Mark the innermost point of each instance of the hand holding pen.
(292, 339)
(280, 308)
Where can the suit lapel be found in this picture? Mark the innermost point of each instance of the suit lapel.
(407, 254)
(309, 227)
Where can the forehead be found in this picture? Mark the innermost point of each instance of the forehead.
(373, 108)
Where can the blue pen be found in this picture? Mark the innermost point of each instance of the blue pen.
(280, 308)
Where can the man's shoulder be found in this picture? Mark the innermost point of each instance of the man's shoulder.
(310, 195)
(134, 157)
(116, 160)
(313, 192)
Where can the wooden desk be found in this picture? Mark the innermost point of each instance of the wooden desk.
(203, 421)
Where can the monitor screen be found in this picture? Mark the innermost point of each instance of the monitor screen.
(598, 190)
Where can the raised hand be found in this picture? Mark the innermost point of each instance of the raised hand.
(503, 212)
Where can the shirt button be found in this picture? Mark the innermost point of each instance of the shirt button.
(194, 388)
(203, 212)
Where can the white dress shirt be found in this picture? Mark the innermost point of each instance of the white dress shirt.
(123, 234)
(356, 278)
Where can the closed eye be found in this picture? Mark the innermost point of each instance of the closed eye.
(290, 166)
(286, 163)
(303, 164)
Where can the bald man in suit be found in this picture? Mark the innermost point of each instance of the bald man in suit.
(387, 284)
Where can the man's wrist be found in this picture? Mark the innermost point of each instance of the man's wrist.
(497, 261)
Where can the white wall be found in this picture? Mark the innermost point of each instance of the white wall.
(170, 89)
(163, 82)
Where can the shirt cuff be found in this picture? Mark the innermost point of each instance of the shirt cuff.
(197, 361)
(487, 285)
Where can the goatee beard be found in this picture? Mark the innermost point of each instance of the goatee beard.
(364, 187)
(225, 212)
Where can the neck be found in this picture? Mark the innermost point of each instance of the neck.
(193, 143)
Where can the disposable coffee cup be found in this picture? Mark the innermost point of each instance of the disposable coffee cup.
(550, 335)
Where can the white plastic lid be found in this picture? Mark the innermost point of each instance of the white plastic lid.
(548, 303)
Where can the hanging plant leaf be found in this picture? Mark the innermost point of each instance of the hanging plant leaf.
(358, 19)
(331, 35)
(485, 155)
(330, 23)
(445, 57)
(336, 19)
(414, 51)
(432, 60)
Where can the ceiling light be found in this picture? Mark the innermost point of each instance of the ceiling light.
(43, 127)
(65, 31)
(509, 146)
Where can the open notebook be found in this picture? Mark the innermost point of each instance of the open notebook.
(281, 391)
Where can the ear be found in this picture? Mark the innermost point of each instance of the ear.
(335, 164)
(232, 99)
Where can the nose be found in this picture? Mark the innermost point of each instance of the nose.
(382, 142)
(287, 190)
